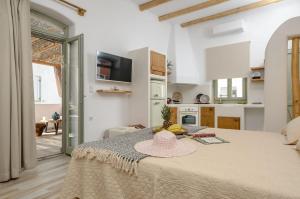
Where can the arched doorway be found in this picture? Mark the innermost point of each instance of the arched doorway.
(276, 75)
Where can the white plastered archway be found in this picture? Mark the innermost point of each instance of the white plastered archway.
(276, 63)
(50, 9)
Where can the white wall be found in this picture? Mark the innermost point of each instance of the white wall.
(114, 26)
(50, 100)
(260, 25)
(49, 93)
(185, 62)
(189, 92)
(46, 110)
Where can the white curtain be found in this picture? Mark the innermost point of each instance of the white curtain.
(17, 130)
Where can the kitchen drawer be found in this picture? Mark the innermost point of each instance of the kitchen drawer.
(229, 123)
(207, 110)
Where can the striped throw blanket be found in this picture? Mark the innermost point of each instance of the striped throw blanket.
(118, 151)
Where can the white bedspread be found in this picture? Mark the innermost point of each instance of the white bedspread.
(252, 165)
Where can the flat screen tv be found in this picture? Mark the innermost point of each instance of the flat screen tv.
(113, 68)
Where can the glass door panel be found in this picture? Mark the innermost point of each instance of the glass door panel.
(74, 93)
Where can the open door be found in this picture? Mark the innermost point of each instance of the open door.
(73, 93)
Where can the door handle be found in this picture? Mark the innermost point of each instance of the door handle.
(156, 103)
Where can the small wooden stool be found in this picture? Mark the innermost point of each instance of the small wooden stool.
(39, 128)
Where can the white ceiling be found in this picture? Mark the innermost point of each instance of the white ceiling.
(180, 4)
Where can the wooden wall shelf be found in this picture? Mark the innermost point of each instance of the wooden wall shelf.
(114, 91)
(258, 80)
(258, 68)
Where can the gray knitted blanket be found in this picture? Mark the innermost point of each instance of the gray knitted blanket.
(118, 151)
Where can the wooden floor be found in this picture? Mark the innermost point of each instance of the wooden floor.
(48, 144)
(43, 182)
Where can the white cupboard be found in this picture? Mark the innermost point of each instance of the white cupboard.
(156, 107)
(158, 89)
(149, 90)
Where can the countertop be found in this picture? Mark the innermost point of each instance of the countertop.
(220, 105)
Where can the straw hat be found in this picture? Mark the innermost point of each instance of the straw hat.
(165, 144)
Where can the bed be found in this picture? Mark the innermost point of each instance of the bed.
(253, 165)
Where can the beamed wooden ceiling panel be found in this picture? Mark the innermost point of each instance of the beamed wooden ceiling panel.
(190, 9)
(230, 12)
(192, 12)
(152, 4)
(46, 52)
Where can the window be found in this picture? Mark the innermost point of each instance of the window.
(230, 90)
(37, 81)
(42, 24)
(45, 85)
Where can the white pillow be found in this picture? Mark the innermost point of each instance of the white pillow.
(283, 131)
(298, 146)
(293, 131)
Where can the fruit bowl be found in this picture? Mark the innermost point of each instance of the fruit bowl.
(175, 128)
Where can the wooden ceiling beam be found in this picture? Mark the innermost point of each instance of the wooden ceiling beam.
(237, 10)
(152, 4)
(190, 9)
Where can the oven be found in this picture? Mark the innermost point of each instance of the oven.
(189, 116)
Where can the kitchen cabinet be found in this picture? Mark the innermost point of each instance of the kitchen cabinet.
(157, 98)
(229, 123)
(156, 107)
(149, 91)
(158, 90)
(157, 63)
(173, 118)
(207, 116)
(228, 116)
